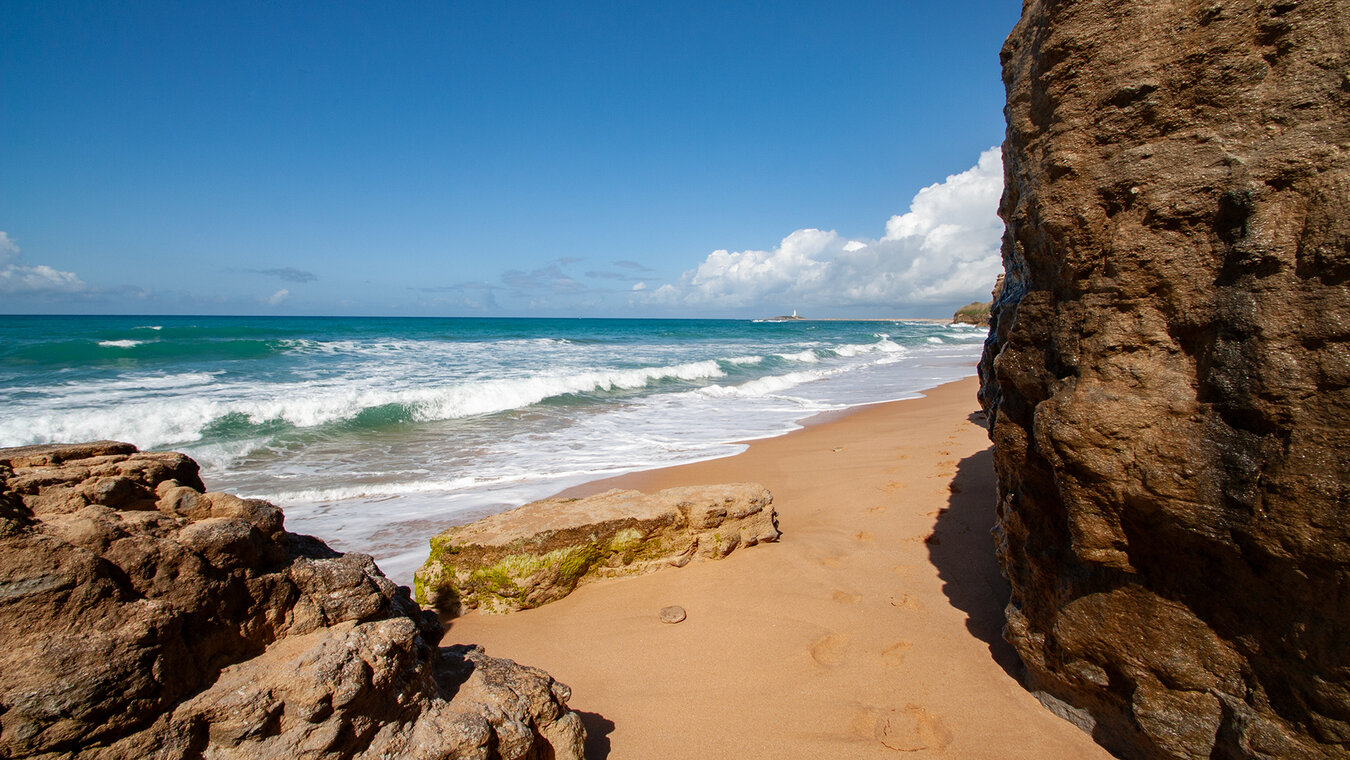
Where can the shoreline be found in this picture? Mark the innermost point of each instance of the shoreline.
(924, 320)
(871, 627)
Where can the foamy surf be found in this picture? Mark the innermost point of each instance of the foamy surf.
(378, 433)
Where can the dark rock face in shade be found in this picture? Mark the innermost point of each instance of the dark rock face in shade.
(143, 617)
(1167, 372)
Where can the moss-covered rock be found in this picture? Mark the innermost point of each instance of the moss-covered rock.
(973, 314)
(542, 551)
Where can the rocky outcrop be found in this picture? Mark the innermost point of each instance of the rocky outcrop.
(540, 552)
(143, 617)
(973, 314)
(1167, 372)
(978, 313)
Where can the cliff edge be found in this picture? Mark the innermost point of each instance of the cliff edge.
(1167, 372)
(144, 617)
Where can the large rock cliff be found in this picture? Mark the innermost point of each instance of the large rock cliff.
(1167, 371)
(143, 617)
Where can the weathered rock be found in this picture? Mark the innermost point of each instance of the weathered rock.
(671, 614)
(143, 618)
(1168, 372)
(540, 552)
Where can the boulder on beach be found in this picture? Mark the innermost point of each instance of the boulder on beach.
(542, 551)
(144, 617)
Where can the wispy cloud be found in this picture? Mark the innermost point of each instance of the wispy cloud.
(279, 296)
(632, 272)
(479, 296)
(18, 276)
(289, 274)
(550, 279)
(944, 249)
(610, 276)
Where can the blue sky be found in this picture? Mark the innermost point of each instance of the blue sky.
(515, 158)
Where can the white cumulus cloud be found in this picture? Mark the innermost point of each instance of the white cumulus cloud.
(18, 276)
(279, 296)
(945, 249)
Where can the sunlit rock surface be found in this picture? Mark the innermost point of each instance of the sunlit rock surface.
(540, 552)
(142, 617)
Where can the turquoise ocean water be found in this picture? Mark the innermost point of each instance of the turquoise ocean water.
(376, 433)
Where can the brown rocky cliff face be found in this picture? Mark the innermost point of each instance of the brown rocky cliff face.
(1167, 371)
(142, 617)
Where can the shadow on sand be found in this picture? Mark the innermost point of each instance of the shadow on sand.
(962, 549)
(598, 729)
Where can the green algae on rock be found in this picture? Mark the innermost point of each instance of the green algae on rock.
(542, 551)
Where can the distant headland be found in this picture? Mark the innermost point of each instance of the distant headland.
(795, 317)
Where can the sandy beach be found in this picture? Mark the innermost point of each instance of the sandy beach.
(870, 630)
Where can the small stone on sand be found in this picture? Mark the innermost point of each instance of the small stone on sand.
(672, 614)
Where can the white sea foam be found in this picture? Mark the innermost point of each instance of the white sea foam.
(765, 386)
(151, 420)
(120, 343)
(966, 335)
(100, 390)
(375, 490)
(808, 356)
(885, 345)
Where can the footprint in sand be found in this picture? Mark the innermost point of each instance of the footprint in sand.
(910, 729)
(829, 650)
(864, 535)
(830, 561)
(891, 485)
(844, 597)
(906, 602)
(900, 569)
(946, 469)
(894, 654)
(878, 509)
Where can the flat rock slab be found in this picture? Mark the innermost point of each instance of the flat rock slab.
(542, 551)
